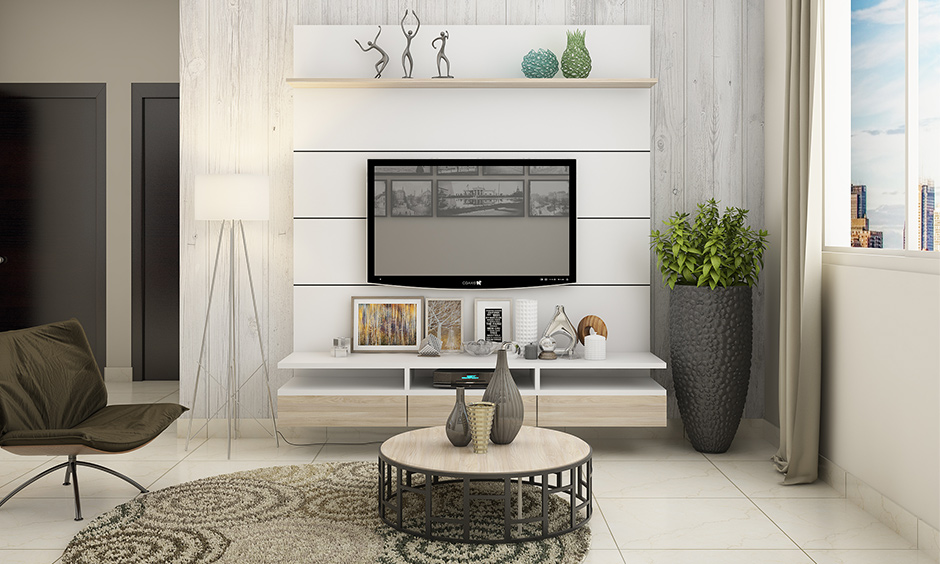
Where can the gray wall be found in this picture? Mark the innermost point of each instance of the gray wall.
(113, 41)
(236, 117)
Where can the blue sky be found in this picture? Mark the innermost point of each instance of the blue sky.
(878, 42)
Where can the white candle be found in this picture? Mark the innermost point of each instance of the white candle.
(595, 346)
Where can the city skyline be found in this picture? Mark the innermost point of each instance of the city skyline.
(878, 108)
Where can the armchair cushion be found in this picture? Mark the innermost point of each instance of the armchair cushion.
(115, 428)
(48, 378)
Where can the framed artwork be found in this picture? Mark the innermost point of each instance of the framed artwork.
(411, 198)
(403, 169)
(387, 324)
(480, 198)
(504, 169)
(492, 319)
(467, 170)
(549, 198)
(444, 319)
(549, 169)
(379, 201)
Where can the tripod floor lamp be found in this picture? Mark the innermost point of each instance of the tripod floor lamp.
(231, 199)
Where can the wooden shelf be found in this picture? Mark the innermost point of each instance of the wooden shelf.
(472, 83)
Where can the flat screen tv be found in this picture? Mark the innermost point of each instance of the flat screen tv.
(472, 223)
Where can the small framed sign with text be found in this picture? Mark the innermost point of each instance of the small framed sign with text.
(492, 319)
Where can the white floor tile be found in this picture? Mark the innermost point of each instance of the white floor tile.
(715, 557)
(691, 524)
(15, 471)
(38, 556)
(761, 479)
(343, 453)
(643, 449)
(254, 449)
(673, 478)
(601, 537)
(830, 524)
(189, 470)
(596, 556)
(870, 557)
(29, 523)
(747, 449)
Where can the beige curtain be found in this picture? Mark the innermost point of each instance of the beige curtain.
(801, 245)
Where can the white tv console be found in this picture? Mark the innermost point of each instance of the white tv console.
(395, 390)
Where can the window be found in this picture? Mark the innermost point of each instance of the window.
(884, 183)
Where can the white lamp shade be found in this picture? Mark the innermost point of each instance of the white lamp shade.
(232, 196)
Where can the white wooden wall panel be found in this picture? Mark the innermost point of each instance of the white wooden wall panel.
(221, 117)
(333, 251)
(474, 51)
(503, 119)
(324, 312)
(332, 184)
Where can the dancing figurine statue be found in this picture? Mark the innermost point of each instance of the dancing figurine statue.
(409, 35)
(380, 65)
(440, 55)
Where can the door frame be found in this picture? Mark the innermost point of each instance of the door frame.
(140, 91)
(98, 93)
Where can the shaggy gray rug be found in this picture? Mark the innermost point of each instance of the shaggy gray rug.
(310, 514)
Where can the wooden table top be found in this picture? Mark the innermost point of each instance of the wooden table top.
(533, 451)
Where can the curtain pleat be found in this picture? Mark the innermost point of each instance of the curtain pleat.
(801, 250)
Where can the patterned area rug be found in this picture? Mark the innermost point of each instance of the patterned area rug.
(311, 514)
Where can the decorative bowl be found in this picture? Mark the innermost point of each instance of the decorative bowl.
(481, 347)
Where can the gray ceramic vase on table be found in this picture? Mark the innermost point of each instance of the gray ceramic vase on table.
(458, 423)
(503, 392)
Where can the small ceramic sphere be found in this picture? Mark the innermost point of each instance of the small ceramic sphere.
(547, 344)
(539, 64)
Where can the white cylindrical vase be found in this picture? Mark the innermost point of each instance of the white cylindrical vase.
(526, 315)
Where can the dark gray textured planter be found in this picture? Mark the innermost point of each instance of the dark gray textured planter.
(710, 344)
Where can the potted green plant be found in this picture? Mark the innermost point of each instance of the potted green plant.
(710, 265)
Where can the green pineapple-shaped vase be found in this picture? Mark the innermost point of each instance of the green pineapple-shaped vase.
(576, 61)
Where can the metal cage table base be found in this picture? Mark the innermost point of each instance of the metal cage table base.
(397, 483)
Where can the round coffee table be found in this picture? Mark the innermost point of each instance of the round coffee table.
(555, 462)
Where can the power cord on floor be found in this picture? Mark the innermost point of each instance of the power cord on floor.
(327, 443)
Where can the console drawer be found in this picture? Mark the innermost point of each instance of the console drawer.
(602, 411)
(429, 411)
(342, 411)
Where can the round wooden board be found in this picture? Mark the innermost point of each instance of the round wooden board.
(584, 327)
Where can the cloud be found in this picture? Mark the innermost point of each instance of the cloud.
(896, 131)
(887, 12)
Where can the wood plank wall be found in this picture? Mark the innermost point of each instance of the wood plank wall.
(236, 114)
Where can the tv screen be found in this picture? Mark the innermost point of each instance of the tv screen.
(472, 223)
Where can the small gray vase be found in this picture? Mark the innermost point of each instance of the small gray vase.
(503, 392)
(458, 424)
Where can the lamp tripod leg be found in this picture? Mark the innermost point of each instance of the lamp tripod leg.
(264, 361)
(202, 348)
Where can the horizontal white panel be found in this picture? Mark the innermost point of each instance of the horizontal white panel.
(613, 251)
(471, 119)
(329, 251)
(333, 251)
(324, 312)
(474, 51)
(333, 184)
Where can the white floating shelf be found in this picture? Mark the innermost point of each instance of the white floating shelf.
(472, 83)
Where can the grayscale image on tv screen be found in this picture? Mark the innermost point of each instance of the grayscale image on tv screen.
(477, 223)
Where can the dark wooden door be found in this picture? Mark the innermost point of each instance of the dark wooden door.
(52, 207)
(156, 228)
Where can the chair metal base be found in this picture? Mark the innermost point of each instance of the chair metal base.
(70, 473)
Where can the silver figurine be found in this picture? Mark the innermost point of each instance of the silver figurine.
(441, 56)
(409, 35)
(380, 65)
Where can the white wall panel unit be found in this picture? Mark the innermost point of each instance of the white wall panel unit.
(324, 312)
(333, 251)
(475, 51)
(333, 183)
(330, 251)
(502, 119)
(613, 251)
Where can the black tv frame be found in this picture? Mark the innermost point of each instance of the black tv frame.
(475, 282)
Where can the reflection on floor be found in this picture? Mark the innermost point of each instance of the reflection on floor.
(657, 501)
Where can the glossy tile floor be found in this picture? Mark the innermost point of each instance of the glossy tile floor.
(657, 501)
